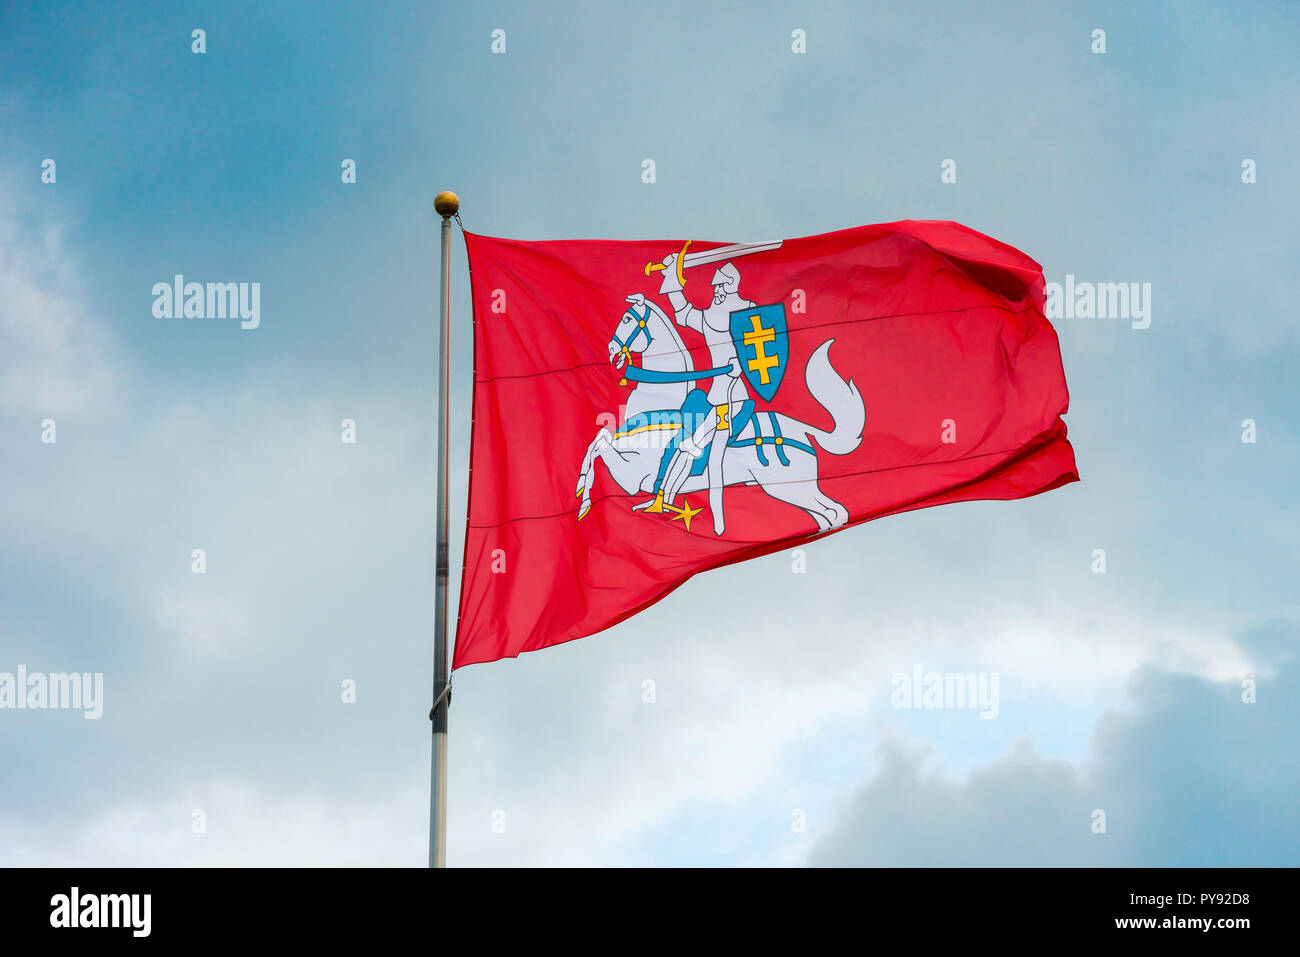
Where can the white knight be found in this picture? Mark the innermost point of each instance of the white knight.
(726, 395)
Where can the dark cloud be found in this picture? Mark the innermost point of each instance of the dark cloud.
(1192, 777)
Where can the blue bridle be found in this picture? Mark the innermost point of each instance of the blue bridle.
(636, 374)
(625, 345)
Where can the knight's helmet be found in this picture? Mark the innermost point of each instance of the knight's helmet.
(728, 278)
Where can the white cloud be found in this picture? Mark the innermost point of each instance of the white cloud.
(242, 824)
(206, 624)
(54, 356)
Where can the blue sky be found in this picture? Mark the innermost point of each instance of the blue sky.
(1119, 691)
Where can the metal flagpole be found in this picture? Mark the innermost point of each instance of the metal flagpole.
(447, 205)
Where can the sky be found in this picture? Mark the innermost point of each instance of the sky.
(1161, 692)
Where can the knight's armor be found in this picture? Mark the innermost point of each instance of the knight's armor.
(727, 394)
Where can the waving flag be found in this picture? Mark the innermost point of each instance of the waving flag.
(644, 411)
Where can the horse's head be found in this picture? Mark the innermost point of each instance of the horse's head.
(632, 334)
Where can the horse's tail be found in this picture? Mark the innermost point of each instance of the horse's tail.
(841, 399)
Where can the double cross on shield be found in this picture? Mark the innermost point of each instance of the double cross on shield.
(762, 344)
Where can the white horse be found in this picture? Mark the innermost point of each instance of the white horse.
(772, 451)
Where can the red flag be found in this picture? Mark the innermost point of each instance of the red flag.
(647, 410)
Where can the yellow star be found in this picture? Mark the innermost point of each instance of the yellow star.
(686, 513)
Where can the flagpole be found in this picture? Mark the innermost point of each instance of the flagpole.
(447, 204)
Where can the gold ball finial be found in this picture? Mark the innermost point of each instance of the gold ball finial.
(446, 203)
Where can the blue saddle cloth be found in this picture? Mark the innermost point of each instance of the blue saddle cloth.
(746, 430)
(771, 440)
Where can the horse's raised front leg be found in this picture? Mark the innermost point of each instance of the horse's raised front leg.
(603, 440)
